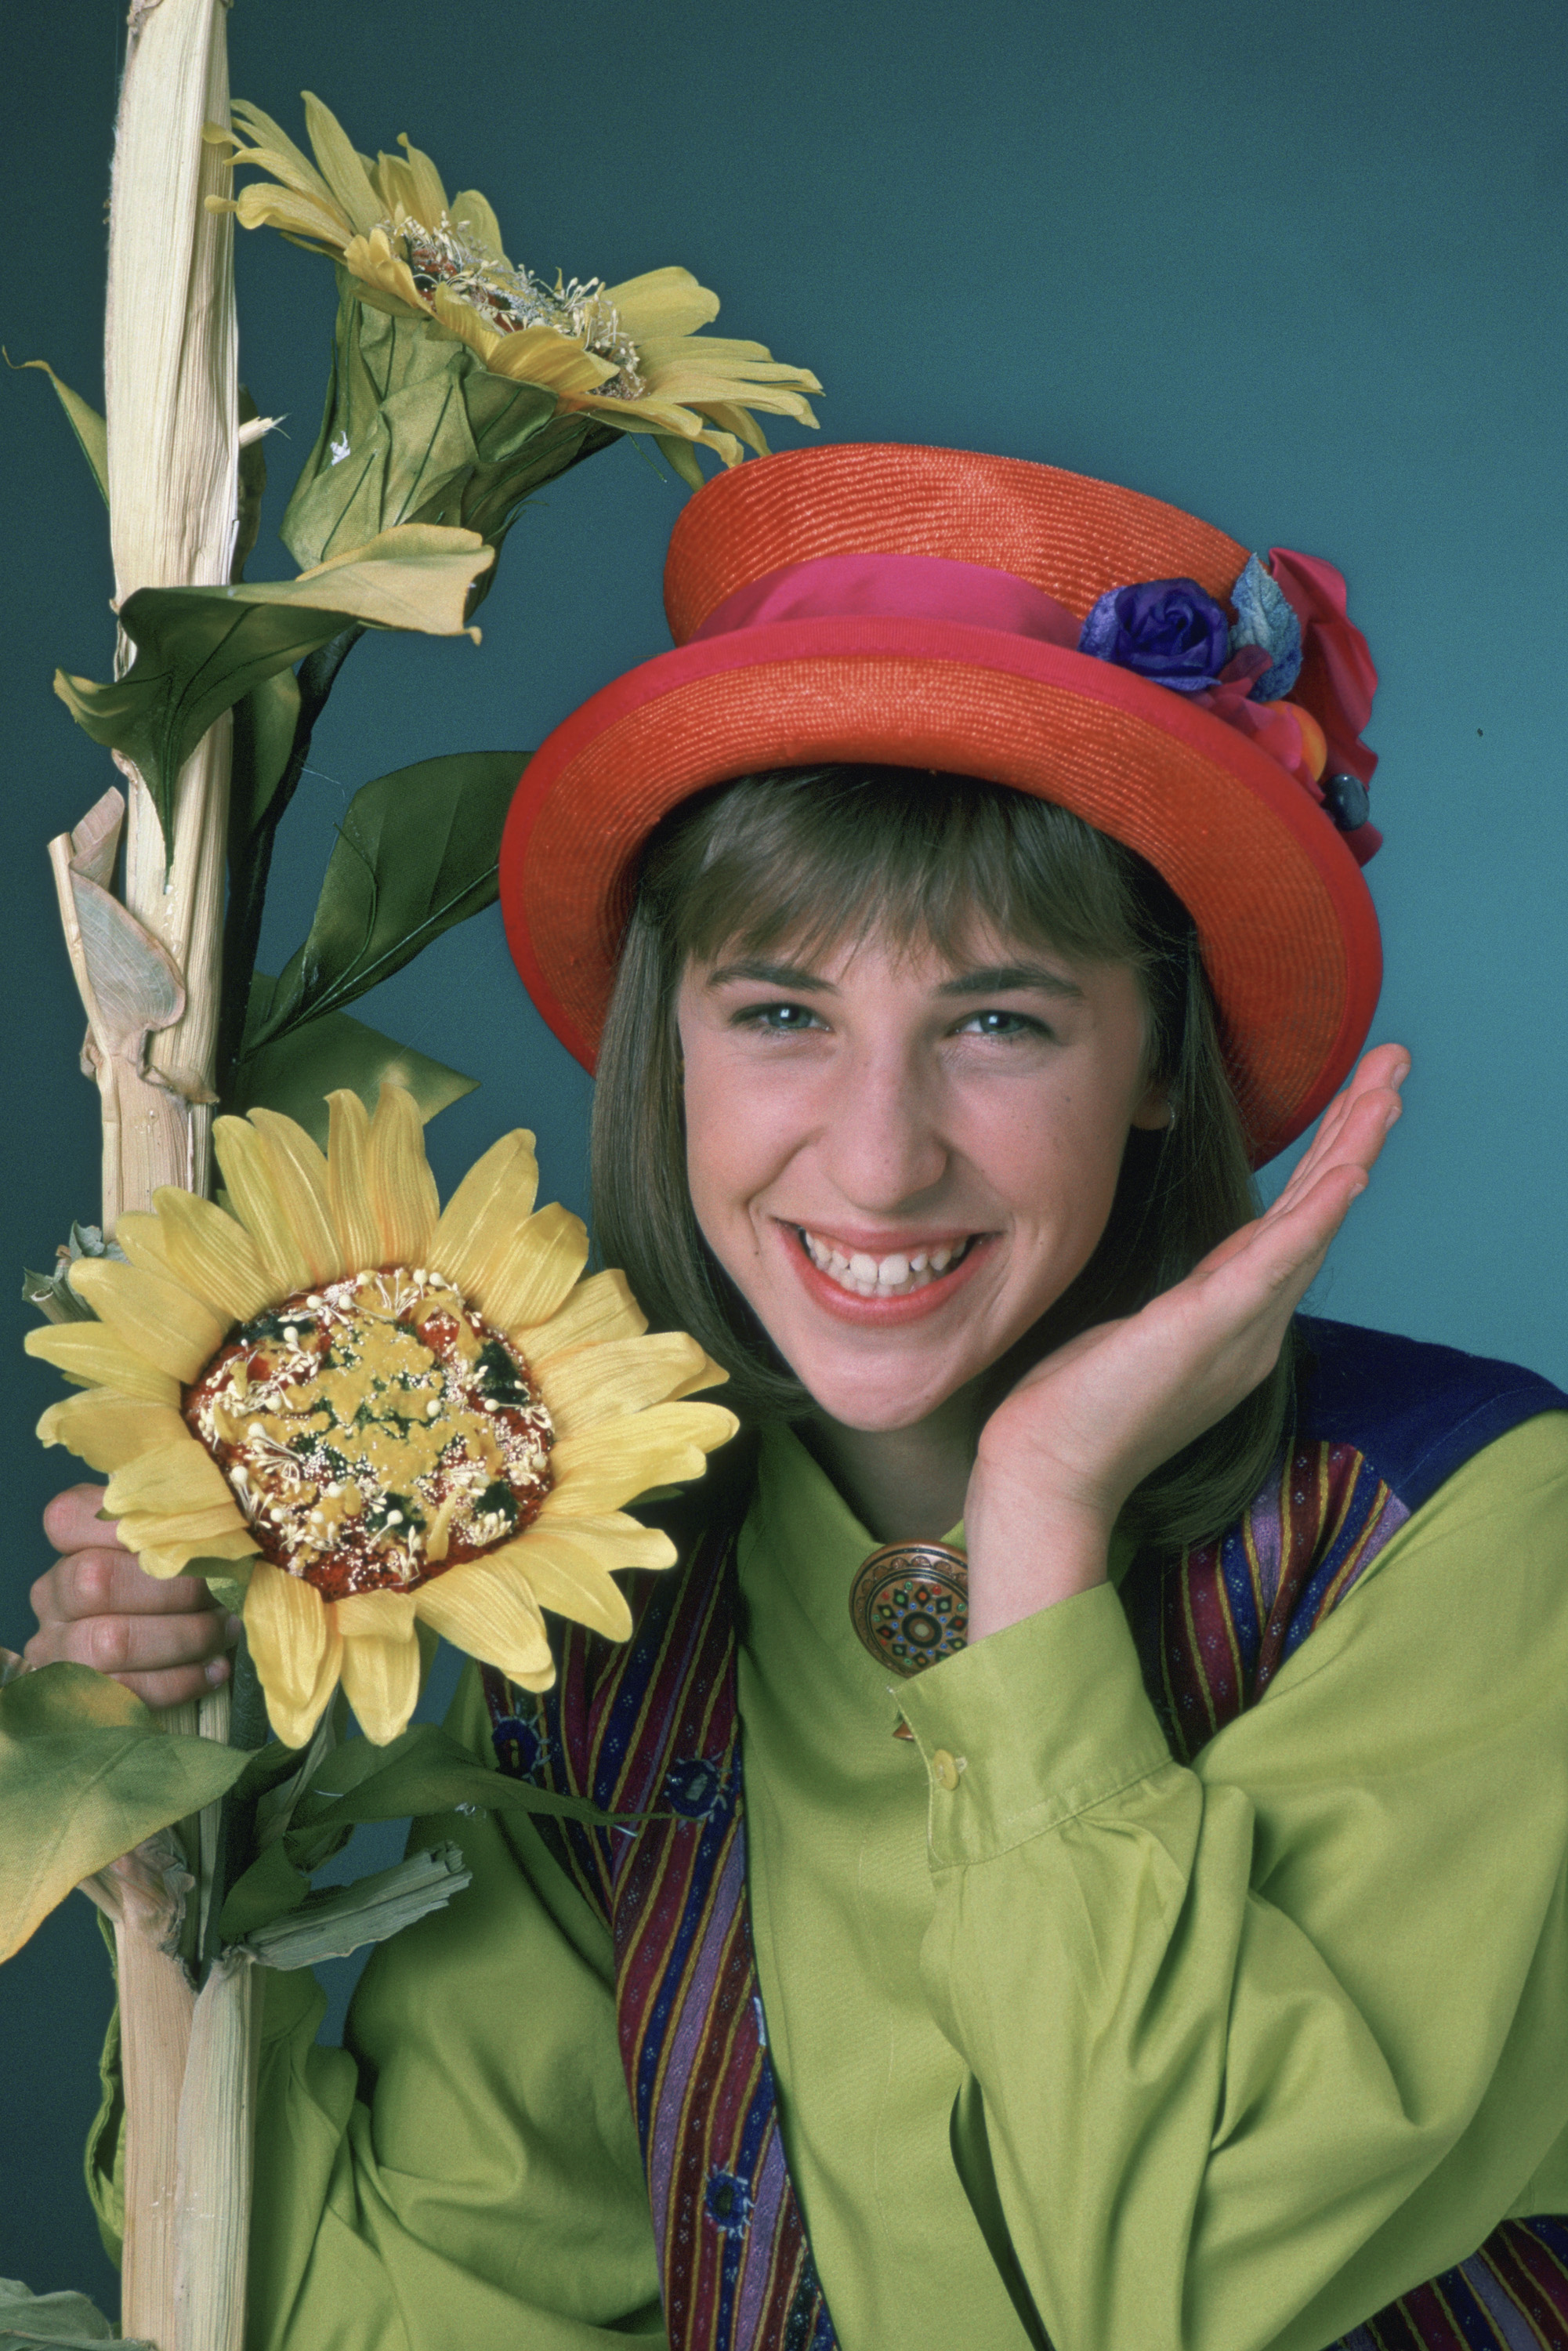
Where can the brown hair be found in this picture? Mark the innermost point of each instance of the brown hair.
(818, 855)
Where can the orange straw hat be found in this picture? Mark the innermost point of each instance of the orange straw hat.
(936, 609)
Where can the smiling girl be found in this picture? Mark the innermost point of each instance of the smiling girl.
(1097, 1706)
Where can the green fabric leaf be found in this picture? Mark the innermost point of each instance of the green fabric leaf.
(332, 1924)
(294, 1074)
(417, 852)
(68, 2322)
(269, 1887)
(416, 429)
(200, 649)
(91, 432)
(86, 1773)
(264, 721)
(426, 1770)
(971, 2145)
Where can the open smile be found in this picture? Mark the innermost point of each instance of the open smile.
(895, 1286)
(899, 1274)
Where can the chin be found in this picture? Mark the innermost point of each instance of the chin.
(877, 1399)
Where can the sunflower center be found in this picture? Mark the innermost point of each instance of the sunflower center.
(508, 299)
(375, 1432)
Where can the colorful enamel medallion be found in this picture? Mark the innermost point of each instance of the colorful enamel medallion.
(910, 1605)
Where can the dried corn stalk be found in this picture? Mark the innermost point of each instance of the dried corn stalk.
(149, 966)
(171, 406)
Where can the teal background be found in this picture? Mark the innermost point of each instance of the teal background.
(1301, 270)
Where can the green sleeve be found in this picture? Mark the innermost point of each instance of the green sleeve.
(467, 2174)
(1267, 2042)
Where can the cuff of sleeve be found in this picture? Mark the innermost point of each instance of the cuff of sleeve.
(1032, 1726)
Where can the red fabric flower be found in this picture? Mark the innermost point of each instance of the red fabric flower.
(1338, 679)
(1338, 675)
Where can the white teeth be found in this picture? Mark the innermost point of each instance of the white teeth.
(894, 1276)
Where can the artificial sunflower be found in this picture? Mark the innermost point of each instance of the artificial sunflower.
(631, 354)
(398, 1414)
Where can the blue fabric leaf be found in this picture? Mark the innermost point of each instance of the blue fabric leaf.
(1264, 617)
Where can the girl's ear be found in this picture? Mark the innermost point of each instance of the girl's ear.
(1155, 1110)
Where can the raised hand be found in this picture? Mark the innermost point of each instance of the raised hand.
(1061, 1453)
(162, 1638)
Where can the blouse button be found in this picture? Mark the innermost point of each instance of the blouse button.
(944, 1768)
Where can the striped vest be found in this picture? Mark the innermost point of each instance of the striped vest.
(652, 1729)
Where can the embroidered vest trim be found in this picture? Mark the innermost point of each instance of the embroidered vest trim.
(654, 1729)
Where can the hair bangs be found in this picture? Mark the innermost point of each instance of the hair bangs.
(824, 857)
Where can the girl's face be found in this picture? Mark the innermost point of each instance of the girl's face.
(902, 1163)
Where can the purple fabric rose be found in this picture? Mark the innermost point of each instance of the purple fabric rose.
(1166, 630)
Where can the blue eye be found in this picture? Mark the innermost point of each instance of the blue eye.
(778, 1020)
(1007, 1025)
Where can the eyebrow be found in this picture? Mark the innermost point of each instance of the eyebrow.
(1003, 978)
(990, 979)
(792, 977)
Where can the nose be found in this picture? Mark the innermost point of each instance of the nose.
(881, 1141)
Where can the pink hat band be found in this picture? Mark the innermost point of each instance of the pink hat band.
(934, 588)
(897, 587)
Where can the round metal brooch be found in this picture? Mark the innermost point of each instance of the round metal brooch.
(910, 1605)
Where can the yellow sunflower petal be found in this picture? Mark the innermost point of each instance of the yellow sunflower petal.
(540, 355)
(247, 1174)
(475, 214)
(380, 1660)
(108, 1429)
(298, 1650)
(277, 1179)
(663, 302)
(299, 1180)
(573, 1582)
(161, 1320)
(167, 1548)
(212, 1254)
(490, 1612)
(173, 1559)
(411, 181)
(609, 1464)
(599, 1309)
(180, 1477)
(739, 423)
(403, 1197)
(530, 1268)
(568, 1564)
(598, 1384)
(341, 165)
(90, 1354)
(262, 206)
(140, 1237)
(372, 260)
(484, 1213)
(348, 1182)
(272, 149)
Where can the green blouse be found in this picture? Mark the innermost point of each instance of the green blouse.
(1263, 2041)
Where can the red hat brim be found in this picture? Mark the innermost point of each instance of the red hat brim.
(1286, 926)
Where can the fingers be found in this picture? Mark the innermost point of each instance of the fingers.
(164, 1637)
(1357, 1121)
(106, 1582)
(164, 1658)
(71, 1520)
